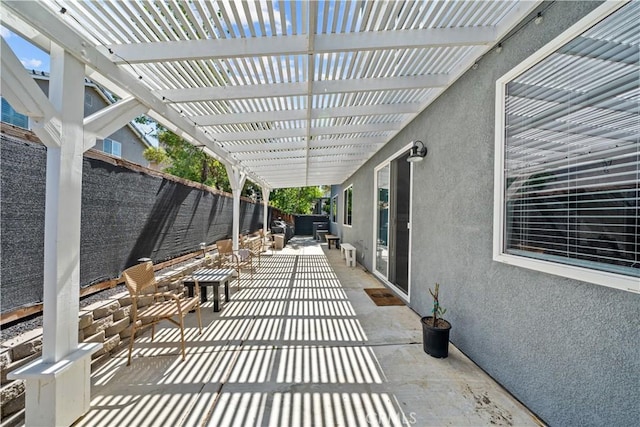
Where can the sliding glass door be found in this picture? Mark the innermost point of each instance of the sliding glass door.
(392, 212)
(382, 237)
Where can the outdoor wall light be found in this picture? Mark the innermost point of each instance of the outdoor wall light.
(418, 151)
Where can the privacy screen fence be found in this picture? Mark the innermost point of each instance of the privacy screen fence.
(127, 214)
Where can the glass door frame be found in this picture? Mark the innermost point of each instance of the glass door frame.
(380, 166)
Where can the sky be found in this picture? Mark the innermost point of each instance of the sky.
(30, 56)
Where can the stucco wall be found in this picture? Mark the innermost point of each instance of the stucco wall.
(132, 146)
(568, 350)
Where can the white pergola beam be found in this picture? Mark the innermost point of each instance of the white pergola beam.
(252, 158)
(261, 134)
(254, 163)
(365, 110)
(205, 49)
(320, 173)
(254, 117)
(106, 121)
(333, 162)
(349, 129)
(405, 39)
(280, 170)
(383, 83)
(264, 147)
(18, 26)
(271, 148)
(300, 114)
(266, 156)
(338, 142)
(301, 132)
(284, 169)
(169, 51)
(200, 94)
(26, 97)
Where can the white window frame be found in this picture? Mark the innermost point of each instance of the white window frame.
(112, 142)
(604, 278)
(344, 206)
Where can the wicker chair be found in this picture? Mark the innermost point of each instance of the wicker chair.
(142, 285)
(237, 260)
(267, 243)
(254, 246)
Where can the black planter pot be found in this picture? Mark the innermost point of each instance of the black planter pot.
(435, 341)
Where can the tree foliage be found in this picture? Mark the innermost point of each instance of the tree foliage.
(295, 200)
(190, 162)
(156, 155)
(182, 159)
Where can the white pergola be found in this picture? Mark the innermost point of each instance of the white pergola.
(284, 93)
(290, 93)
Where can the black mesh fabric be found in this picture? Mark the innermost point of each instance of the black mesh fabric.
(126, 215)
(22, 174)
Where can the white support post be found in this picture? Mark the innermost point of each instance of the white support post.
(62, 209)
(266, 191)
(58, 389)
(236, 179)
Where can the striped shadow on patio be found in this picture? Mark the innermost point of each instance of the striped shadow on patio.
(286, 350)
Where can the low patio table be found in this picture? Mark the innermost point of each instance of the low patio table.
(332, 239)
(210, 277)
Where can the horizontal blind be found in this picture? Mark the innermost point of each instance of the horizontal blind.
(9, 115)
(572, 152)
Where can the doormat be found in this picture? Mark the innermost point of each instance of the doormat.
(382, 296)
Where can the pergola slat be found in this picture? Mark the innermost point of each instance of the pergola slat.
(253, 75)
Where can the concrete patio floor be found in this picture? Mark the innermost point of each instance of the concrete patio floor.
(301, 345)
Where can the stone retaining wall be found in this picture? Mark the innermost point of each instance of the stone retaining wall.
(107, 322)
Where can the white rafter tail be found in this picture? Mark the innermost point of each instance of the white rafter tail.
(109, 119)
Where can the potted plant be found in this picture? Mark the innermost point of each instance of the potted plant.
(435, 330)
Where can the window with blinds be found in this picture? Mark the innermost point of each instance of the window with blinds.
(11, 116)
(571, 152)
